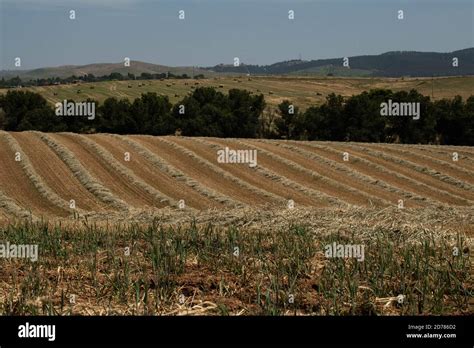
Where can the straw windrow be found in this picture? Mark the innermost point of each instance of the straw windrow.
(166, 167)
(115, 165)
(222, 172)
(319, 195)
(12, 208)
(38, 182)
(323, 178)
(92, 184)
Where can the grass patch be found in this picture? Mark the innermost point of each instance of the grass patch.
(205, 269)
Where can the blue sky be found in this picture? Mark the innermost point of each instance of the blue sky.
(215, 31)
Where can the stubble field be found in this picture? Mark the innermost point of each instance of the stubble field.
(303, 91)
(156, 225)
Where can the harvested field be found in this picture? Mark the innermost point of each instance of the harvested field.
(122, 187)
(202, 171)
(184, 267)
(303, 91)
(55, 173)
(447, 192)
(111, 175)
(158, 179)
(17, 186)
(182, 226)
(247, 174)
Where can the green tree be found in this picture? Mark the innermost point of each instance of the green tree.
(288, 121)
(246, 110)
(115, 116)
(362, 116)
(204, 113)
(152, 114)
(334, 117)
(27, 110)
(406, 129)
(317, 124)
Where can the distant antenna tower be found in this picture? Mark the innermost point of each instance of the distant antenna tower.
(432, 87)
(300, 57)
(248, 71)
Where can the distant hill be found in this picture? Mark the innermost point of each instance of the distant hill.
(100, 69)
(390, 64)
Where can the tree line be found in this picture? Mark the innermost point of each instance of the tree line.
(115, 76)
(240, 113)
